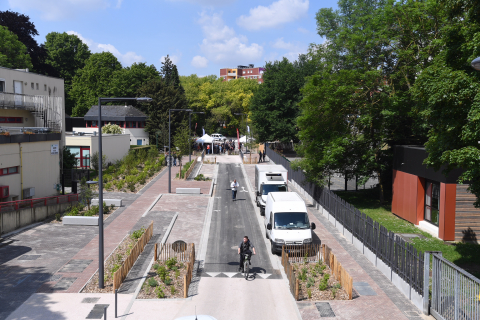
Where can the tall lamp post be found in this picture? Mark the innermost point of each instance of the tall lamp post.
(190, 128)
(242, 114)
(100, 183)
(170, 147)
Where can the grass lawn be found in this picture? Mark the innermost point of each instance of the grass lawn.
(465, 255)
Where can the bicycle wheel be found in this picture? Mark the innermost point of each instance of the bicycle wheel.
(245, 269)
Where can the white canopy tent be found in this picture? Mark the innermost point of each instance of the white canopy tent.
(243, 139)
(205, 139)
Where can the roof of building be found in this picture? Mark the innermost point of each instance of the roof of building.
(115, 113)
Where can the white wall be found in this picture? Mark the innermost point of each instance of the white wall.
(135, 133)
(114, 146)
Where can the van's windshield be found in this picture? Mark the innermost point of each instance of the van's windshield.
(291, 220)
(267, 188)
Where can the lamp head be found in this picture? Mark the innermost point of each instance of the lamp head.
(144, 99)
(476, 64)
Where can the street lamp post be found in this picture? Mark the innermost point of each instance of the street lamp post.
(170, 147)
(100, 183)
(242, 114)
(190, 128)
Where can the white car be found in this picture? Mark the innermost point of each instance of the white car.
(218, 136)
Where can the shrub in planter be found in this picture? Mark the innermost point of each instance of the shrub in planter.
(152, 282)
(109, 186)
(131, 181)
(119, 184)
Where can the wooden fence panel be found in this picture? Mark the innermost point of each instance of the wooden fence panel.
(120, 275)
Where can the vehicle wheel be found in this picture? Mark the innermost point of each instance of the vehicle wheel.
(272, 248)
(245, 269)
(266, 234)
(262, 212)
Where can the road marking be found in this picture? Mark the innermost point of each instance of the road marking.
(21, 280)
(243, 190)
(213, 274)
(264, 275)
(230, 274)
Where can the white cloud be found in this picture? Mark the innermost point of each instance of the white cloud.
(303, 30)
(126, 59)
(277, 13)
(175, 59)
(199, 62)
(222, 45)
(62, 9)
(293, 49)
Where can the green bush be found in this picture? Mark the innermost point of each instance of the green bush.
(155, 266)
(201, 177)
(162, 273)
(58, 216)
(310, 282)
(324, 283)
(119, 184)
(131, 181)
(171, 262)
(137, 234)
(177, 274)
(172, 290)
(167, 281)
(159, 292)
(152, 282)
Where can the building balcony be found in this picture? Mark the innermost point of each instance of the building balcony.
(36, 137)
(47, 110)
(232, 74)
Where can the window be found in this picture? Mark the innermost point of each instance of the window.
(432, 202)
(44, 87)
(37, 86)
(2, 86)
(33, 86)
(94, 123)
(7, 171)
(11, 120)
(291, 220)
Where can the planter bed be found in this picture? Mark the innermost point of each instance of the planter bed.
(313, 271)
(150, 291)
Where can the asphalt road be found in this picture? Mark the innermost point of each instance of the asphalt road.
(231, 220)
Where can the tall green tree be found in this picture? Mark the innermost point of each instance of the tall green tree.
(449, 95)
(67, 54)
(127, 81)
(25, 30)
(274, 107)
(13, 53)
(93, 81)
(374, 52)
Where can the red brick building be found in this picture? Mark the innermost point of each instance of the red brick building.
(246, 72)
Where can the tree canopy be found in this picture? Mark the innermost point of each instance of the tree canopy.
(13, 53)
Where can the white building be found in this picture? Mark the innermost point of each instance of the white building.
(32, 122)
(130, 119)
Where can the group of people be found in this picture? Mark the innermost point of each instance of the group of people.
(261, 156)
(172, 158)
(217, 148)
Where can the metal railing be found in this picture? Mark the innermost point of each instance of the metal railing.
(48, 111)
(37, 202)
(455, 292)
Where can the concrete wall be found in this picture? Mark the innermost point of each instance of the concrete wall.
(10, 221)
(135, 133)
(39, 168)
(114, 146)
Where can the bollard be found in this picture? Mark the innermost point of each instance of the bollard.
(155, 254)
(105, 313)
(116, 291)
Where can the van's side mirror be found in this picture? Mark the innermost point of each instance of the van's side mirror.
(269, 226)
(258, 193)
(313, 226)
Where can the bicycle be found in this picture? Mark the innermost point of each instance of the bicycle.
(246, 265)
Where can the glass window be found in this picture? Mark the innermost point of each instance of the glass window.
(2, 86)
(94, 123)
(432, 202)
(4, 171)
(267, 188)
(12, 170)
(291, 220)
(134, 124)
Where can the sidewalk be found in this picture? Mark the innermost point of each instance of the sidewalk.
(387, 303)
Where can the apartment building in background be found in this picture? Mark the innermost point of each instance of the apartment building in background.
(32, 135)
(246, 72)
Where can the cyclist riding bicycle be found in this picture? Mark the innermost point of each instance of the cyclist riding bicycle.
(244, 248)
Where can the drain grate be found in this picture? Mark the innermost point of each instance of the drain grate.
(75, 266)
(325, 309)
(64, 283)
(90, 300)
(97, 311)
(29, 257)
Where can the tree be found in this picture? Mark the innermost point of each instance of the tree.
(170, 73)
(25, 30)
(275, 105)
(67, 54)
(68, 158)
(93, 81)
(112, 129)
(94, 161)
(181, 140)
(126, 81)
(13, 53)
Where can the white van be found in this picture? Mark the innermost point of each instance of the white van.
(286, 220)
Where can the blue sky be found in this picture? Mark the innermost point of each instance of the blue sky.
(201, 36)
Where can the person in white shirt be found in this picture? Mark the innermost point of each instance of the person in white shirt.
(234, 187)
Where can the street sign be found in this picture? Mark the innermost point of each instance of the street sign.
(54, 149)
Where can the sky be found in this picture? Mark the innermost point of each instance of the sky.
(200, 36)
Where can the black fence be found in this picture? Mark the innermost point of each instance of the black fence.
(396, 253)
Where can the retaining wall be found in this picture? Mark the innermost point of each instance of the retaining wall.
(12, 220)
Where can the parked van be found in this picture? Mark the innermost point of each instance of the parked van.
(269, 178)
(286, 220)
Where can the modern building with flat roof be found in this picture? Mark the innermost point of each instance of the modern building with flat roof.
(246, 72)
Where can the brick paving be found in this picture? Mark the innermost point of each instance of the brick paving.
(119, 227)
(389, 303)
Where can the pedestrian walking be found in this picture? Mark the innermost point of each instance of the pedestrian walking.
(174, 159)
(263, 155)
(259, 156)
(208, 148)
(234, 185)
